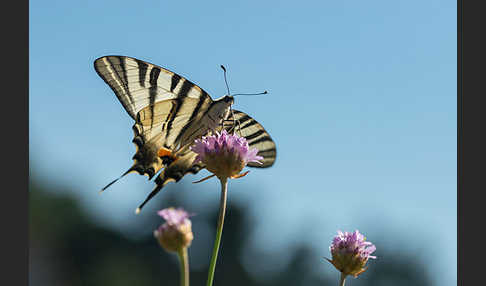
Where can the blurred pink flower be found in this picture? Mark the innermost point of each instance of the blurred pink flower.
(176, 232)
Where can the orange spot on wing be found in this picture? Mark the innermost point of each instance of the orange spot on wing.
(165, 153)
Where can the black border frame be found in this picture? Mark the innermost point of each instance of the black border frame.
(16, 140)
(15, 143)
(471, 60)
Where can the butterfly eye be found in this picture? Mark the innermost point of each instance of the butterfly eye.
(228, 99)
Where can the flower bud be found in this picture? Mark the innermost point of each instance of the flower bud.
(176, 233)
(350, 252)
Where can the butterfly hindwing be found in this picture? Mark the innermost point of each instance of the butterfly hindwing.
(238, 122)
(255, 135)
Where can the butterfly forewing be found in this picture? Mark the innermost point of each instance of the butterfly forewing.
(162, 103)
(170, 124)
(139, 84)
(179, 121)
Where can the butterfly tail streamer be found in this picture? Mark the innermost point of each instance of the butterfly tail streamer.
(174, 173)
(161, 181)
(149, 197)
(115, 180)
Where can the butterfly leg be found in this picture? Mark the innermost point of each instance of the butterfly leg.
(239, 127)
(234, 122)
(204, 179)
(230, 127)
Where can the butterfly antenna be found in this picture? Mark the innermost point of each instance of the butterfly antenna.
(229, 93)
(227, 87)
(239, 125)
(265, 92)
(225, 80)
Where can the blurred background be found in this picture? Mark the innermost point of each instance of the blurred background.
(361, 105)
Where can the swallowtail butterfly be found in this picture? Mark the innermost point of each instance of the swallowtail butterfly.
(169, 113)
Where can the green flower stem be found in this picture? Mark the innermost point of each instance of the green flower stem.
(219, 230)
(184, 262)
(343, 278)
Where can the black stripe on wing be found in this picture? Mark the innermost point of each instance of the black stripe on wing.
(186, 86)
(106, 69)
(191, 120)
(138, 84)
(142, 71)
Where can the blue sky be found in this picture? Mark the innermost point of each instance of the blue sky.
(361, 104)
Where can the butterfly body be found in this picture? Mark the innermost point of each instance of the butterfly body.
(170, 112)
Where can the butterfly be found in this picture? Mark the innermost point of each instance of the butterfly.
(169, 113)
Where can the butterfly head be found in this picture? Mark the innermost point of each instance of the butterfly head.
(220, 110)
(223, 104)
(229, 99)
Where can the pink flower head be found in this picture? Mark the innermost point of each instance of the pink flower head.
(224, 154)
(350, 252)
(176, 232)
